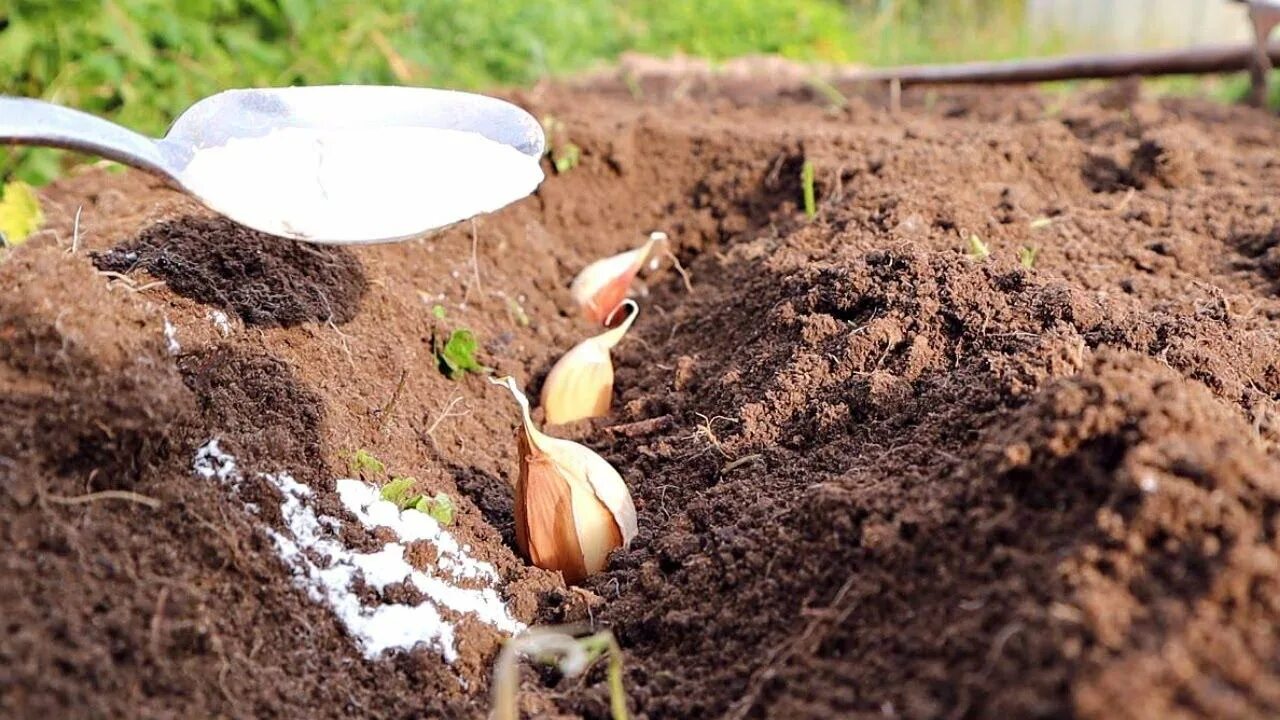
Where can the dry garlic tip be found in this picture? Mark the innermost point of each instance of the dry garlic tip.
(580, 384)
(572, 508)
(603, 285)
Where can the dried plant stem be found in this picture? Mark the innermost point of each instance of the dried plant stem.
(390, 407)
(75, 231)
(444, 415)
(127, 495)
(684, 274)
(556, 646)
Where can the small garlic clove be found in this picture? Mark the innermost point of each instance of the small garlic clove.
(572, 507)
(603, 285)
(580, 384)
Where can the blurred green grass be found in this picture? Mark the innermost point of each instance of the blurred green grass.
(141, 62)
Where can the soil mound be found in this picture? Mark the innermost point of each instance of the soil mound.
(265, 280)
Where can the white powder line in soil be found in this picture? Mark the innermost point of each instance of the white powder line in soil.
(329, 570)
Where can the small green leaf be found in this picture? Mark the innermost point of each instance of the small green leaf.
(20, 213)
(363, 461)
(439, 506)
(400, 493)
(977, 249)
(566, 157)
(1027, 256)
(437, 311)
(458, 356)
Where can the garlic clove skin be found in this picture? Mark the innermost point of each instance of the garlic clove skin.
(580, 384)
(583, 467)
(572, 507)
(545, 522)
(603, 285)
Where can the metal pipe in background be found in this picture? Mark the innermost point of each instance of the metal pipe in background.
(1189, 61)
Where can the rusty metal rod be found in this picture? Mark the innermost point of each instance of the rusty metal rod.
(1190, 61)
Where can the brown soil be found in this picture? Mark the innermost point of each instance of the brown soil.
(876, 476)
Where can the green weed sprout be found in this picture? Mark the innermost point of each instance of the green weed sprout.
(806, 179)
(978, 250)
(438, 506)
(458, 355)
(399, 492)
(560, 647)
(566, 157)
(1027, 256)
(363, 461)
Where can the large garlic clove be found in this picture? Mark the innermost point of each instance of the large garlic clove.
(580, 384)
(546, 528)
(572, 507)
(603, 285)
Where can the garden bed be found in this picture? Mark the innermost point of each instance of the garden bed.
(991, 435)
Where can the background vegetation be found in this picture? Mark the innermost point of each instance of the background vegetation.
(142, 62)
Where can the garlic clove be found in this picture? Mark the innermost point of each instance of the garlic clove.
(572, 507)
(546, 529)
(603, 285)
(580, 384)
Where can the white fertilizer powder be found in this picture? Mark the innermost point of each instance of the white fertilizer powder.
(322, 564)
(356, 185)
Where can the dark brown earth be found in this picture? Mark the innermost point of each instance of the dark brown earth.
(877, 476)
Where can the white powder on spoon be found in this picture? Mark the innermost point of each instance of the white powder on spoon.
(358, 185)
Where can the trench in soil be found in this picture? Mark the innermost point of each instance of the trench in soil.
(875, 475)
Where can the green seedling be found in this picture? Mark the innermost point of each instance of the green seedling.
(439, 506)
(566, 157)
(806, 180)
(1027, 256)
(20, 213)
(558, 647)
(437, 311)
(399, 492)
(458, 355)
(363, 463)
(978, 250)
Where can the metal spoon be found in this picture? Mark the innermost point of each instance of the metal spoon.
(357, 115)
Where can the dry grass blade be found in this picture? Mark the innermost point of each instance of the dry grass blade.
(126, 495)
(560, 647)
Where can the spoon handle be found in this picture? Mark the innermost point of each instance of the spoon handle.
(24, 121)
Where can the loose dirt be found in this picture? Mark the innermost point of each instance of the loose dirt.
(877, 476)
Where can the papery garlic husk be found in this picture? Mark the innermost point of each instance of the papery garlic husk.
(603, 285)
(580, 384)
(572, 508)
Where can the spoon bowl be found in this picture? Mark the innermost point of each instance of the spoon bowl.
(327, 164)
